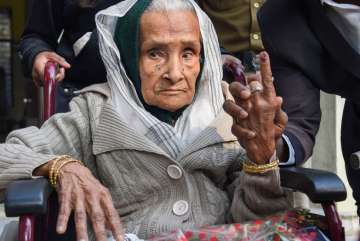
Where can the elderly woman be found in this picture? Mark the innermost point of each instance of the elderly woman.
(153, 145)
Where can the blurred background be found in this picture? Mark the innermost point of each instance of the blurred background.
(18, 96)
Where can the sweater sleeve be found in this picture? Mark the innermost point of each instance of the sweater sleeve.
(254, 196)
(257, 195)
(26, 149)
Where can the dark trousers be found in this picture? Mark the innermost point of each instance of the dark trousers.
(64, 94)
(350, 143)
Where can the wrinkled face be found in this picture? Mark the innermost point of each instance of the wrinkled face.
(169, 58)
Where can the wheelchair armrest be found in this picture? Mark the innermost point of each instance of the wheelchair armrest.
(27, 197)
(320, 186)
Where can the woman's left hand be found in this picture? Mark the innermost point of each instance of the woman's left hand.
(258, 118)
(80, 192)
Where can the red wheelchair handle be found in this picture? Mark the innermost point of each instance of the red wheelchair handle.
(49, 89)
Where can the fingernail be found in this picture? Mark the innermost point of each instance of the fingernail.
(120, 237)
(60, 228)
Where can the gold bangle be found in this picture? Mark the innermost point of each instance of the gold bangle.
(61, 165)
(252, 168)
(53, 165)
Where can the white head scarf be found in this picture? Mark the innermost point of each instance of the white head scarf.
(207, 102)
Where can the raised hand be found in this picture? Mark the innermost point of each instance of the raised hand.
(39, 65)
(258, 118)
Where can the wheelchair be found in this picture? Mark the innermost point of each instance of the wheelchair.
(34, 202)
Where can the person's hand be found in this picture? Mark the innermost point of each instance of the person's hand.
(39, 65)
(79, 191)
(234, 66)
(258, 118)
(229, 60)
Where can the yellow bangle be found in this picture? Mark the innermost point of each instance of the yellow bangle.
(65, 162)
(53, 166)
(252, 168)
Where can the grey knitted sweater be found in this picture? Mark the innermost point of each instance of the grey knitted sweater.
(152, 192)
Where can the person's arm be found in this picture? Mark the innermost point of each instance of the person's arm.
(31, 152)
(258, 191)
(301, 102)
(28, 148)
(256, 196)
(43, 28)
(301, 98)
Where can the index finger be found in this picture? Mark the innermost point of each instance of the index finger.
(266, 75)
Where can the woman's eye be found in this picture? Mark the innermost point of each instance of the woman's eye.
(188, 54)
(155, 54)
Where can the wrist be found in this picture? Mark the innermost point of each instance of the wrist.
(57, 165)
(261, 159)
(43, 170)
(262, 155)
(251, 168)
(282, 150)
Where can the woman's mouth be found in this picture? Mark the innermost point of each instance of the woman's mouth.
(171, 92)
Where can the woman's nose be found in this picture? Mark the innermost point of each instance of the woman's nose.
(175, 70)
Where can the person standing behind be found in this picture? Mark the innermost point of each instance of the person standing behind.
(236, 24)
(62, 31)
(316, 48)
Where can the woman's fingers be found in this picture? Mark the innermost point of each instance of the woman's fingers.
(236, 111)
(64, 212)
(80, 220)
(89, 199)
(98, 220)
(239, 115)
(264, 120)
(239, 91)
(241, 94)
(266, 75)
(242, 133)
(113, 219)
(255, 87)
(281, 118)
